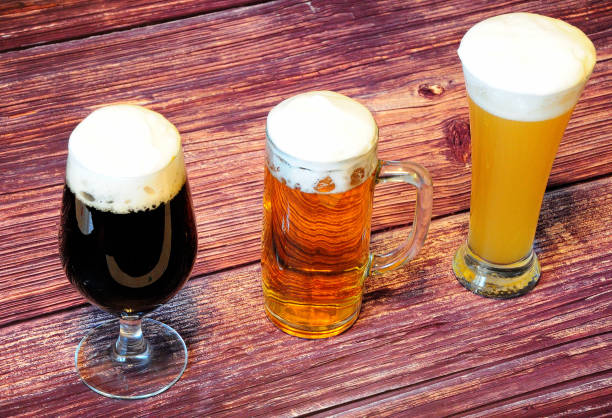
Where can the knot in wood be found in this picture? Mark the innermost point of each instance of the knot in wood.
(430, 90)
(457, 133)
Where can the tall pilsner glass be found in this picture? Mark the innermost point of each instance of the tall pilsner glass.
(127, 242)
(523, 73)
(321, 169)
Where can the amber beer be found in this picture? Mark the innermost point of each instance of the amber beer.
(524, 73)
(318, 196)
(315, 253)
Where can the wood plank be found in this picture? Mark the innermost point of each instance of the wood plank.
(206, 76)
(34, 22)
(422, 344)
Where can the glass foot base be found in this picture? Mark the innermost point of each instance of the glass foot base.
(312, 332)
(495, 280)
(135, 378)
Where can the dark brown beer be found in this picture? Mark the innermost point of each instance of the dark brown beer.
(128, 263)
(315, 256)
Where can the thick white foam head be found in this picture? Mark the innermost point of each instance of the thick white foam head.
(124, 158)
(321, 142)
(524, 66)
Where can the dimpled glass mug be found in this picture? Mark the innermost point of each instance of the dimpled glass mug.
(320, 173)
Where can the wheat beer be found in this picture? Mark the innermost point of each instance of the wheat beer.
(503, 146)
(524, 73)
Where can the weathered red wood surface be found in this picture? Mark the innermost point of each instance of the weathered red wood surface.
(423, 345)
(217, 75)
(33, 22)
(422, 342)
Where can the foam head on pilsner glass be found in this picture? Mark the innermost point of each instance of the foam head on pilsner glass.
(125, 158)
(524, 66)
(321, 136)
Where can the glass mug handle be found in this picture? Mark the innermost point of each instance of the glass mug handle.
(418, 176)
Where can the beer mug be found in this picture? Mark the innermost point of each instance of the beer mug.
(523, 73)
(320, 173)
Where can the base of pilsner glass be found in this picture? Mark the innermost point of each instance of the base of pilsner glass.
(132, 378)
(500, 281)
(312, 332)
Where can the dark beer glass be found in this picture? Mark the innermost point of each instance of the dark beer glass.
(128, 243)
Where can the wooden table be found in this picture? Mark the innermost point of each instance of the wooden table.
(423, 345)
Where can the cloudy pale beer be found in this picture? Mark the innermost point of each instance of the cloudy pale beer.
(321, 168)
(524, 73)
(510, 165)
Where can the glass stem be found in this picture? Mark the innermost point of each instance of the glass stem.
(131, 346)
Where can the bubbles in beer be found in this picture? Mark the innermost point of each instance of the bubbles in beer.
(125, 158)
(325, 185)
(357, 177)
(524, 66)
(319, 140)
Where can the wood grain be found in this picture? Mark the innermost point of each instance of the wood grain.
(33, 22)
(217, 75)
(423, 345)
